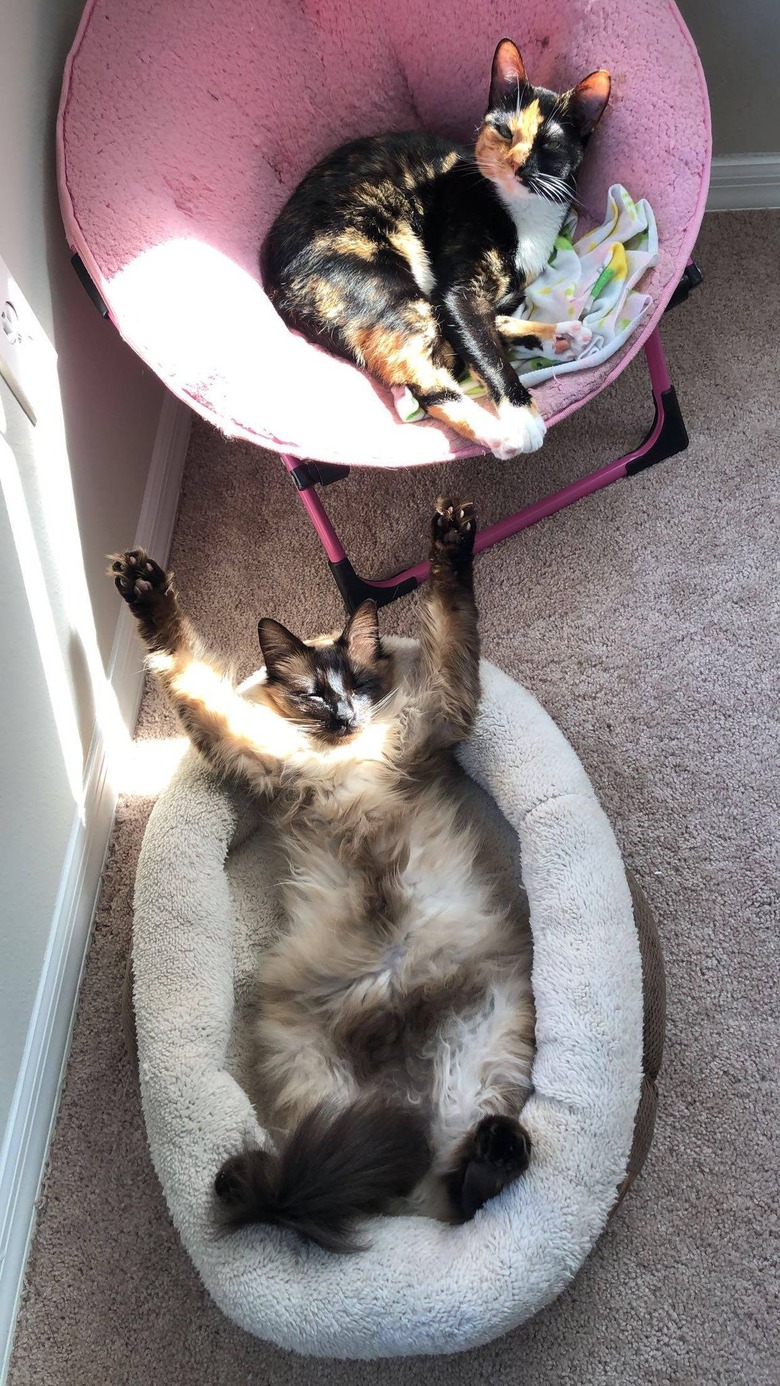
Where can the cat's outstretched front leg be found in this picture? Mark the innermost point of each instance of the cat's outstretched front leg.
(234, 735)
(469, 322)
(449, 637)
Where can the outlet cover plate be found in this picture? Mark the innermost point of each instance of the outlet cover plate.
(21, 341)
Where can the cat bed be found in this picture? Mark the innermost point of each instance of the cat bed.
(204, 906)
(183, 129)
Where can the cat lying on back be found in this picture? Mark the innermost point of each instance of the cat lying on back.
(396, 1020)
(407, 253)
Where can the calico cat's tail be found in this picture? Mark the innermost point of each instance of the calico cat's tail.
(336, 1167)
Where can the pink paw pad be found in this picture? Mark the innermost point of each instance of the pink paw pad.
(572, 338)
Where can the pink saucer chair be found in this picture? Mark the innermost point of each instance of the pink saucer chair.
(185, 124)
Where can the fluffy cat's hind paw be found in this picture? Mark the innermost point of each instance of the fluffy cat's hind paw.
(502, 1141)
(453, 529)
(497, 1152)
(137, 577)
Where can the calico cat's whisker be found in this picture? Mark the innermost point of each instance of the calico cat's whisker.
(551, 187)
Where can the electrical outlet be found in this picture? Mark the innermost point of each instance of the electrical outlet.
(21, 340)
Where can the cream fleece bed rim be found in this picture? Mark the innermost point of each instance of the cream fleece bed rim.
(420, 1287)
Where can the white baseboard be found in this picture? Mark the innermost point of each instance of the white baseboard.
(744, 182)
(36, 1097)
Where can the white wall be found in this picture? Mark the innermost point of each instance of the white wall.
(97, 431)
(71, 490)
(739, 45)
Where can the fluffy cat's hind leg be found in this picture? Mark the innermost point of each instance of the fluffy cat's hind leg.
(336, 1168)
(492, 1156)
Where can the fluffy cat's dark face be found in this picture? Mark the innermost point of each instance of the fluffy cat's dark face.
(331, 690)
(532, 141)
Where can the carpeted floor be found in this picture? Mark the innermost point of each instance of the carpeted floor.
(645, 619)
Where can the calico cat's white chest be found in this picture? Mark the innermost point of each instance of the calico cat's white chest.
(537, 222)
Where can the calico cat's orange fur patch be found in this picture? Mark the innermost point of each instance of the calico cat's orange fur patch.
(497, 160)
(328, 300)
(525, 131)
(402, 356)
(457, 414)
(412, 250)
(348, 242)
(490, 153)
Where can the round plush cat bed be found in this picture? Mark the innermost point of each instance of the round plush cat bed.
(184, 128)
(204, 908)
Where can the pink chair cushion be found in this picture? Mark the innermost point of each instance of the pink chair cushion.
(183, 128)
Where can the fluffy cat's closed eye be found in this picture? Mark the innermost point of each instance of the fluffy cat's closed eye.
(396, 1023)
(407, 253)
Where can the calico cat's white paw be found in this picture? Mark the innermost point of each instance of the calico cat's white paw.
(571, 338)
(520, 429)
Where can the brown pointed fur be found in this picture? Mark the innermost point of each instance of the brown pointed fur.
(403, 979)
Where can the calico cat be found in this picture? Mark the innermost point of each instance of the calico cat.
(406, 253)
(395, 1026)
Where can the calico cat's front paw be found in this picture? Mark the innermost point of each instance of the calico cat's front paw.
(137, 578)
(521, 428)
(571, 339)
(453, 531)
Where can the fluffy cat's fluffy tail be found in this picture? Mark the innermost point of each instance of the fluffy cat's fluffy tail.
(336, 1167)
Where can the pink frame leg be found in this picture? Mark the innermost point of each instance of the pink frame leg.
(666, 437)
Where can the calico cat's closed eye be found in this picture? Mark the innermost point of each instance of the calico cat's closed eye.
(502, 129)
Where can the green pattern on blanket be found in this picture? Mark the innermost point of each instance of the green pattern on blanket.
(591, 280)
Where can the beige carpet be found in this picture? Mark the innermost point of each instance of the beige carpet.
(645, 619)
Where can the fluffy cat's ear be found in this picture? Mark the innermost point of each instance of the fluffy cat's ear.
(361, 634)
(588, 101)
(278, 645)
(508, 74)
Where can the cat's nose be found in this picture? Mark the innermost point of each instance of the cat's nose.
(345, 716)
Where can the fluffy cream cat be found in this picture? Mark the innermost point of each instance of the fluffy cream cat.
(396, 1021)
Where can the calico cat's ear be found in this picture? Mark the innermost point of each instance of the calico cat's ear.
(278, 645)
(508, 74)
(361, 634)
(588, 101)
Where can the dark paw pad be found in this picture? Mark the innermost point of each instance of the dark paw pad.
(497, 1153)
(453, 531)
(501, 1142)
(137, 577)
(230, 1183)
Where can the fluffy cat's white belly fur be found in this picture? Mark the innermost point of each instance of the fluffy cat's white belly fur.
(438, 886)
(442, 922)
